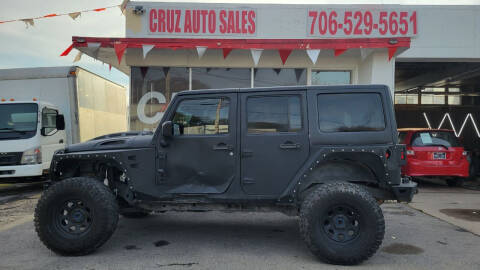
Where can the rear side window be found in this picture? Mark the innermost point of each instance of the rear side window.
(350, 112)
(435, 138)
(268, 114)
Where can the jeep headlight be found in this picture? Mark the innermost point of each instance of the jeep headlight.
(32, 156)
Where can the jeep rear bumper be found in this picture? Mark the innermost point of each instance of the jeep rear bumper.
(405, 191)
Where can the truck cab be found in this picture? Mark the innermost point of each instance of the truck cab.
(30, 132)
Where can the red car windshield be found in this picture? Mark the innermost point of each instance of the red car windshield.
(435, 138)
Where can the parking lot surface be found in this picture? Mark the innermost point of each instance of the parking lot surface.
(413, 240)
(212, 240)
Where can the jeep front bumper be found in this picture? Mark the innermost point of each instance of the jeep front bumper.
(405, 191)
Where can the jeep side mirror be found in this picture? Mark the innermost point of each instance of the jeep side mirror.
(167, 129)
(60, 122)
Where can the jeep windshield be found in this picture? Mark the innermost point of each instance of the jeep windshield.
(435, 138)
(18, 121)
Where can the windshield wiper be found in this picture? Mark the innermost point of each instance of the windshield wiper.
(19, 131)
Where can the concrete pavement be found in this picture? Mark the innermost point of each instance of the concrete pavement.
(457, 206)
(213, 240)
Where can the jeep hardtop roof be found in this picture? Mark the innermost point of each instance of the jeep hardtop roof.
(333, 88)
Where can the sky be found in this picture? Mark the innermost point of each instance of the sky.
(42, 44)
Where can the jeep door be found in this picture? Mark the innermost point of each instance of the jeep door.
(200, 158)
(274, 140)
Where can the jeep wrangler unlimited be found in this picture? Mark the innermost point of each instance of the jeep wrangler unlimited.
(327, 154)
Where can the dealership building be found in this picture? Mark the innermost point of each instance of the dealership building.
(429, 56)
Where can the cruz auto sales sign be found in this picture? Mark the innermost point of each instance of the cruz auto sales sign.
(202, 22)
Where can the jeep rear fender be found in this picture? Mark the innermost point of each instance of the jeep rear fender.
(357, 165)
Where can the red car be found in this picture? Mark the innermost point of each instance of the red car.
(434, 152)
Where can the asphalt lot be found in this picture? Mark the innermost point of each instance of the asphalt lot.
(413, 240)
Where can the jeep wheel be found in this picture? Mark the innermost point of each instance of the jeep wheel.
(76, 216)
(455, 182)
(136, 214)
(341, 223)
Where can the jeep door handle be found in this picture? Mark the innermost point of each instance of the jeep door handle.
(223, 147)
(290, 145)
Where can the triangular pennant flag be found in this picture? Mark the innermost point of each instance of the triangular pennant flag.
(277, 70)
(298, 73)
(119, 50)
(256, 53)
(28, 22)
(109, 67)
(201, 51)
(123, 6)
(339, 51)
(226, 52)
(144, 71)
(284, 53)
(391, 52)
(94, 48)
(165, 71)
(74, 15)
(365, 52)
(67, 51)
(146, 49)
(313, 54)
(78, 57)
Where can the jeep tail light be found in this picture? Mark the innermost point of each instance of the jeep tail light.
(402, 155)
(387, 154)
(410, 153)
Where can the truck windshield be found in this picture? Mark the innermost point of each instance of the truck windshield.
(435, 138)
(18, 120)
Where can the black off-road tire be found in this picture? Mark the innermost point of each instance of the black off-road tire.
(85, 200)
(135, 215)
(455, 182)
(343, 200)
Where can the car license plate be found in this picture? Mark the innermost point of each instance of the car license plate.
(439, 156)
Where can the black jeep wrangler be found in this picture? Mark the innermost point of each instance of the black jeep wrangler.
(327, 154)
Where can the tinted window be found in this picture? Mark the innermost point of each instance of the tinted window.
(435, 138)
(274, 114)
(279, 76)
(325, 77)
(156, 86)
(202, 117)
(212, 78)
(350, 112)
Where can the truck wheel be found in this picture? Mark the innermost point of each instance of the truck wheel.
(76, 216)
(341, 223)
(456, 182)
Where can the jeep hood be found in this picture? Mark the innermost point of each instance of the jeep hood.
(126, 140)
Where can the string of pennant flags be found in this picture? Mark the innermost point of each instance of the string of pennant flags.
(256, 47)
(30, 22)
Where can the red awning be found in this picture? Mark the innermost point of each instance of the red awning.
(338, 45)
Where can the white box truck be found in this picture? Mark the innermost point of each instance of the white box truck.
(44, 109)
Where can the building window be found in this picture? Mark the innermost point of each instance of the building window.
(202, 117)
(213, 78)
(433, 99)
(406, 98)
(152, 89)
(454, 99)
(274, 114)
(331, 77)
(264, 77)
